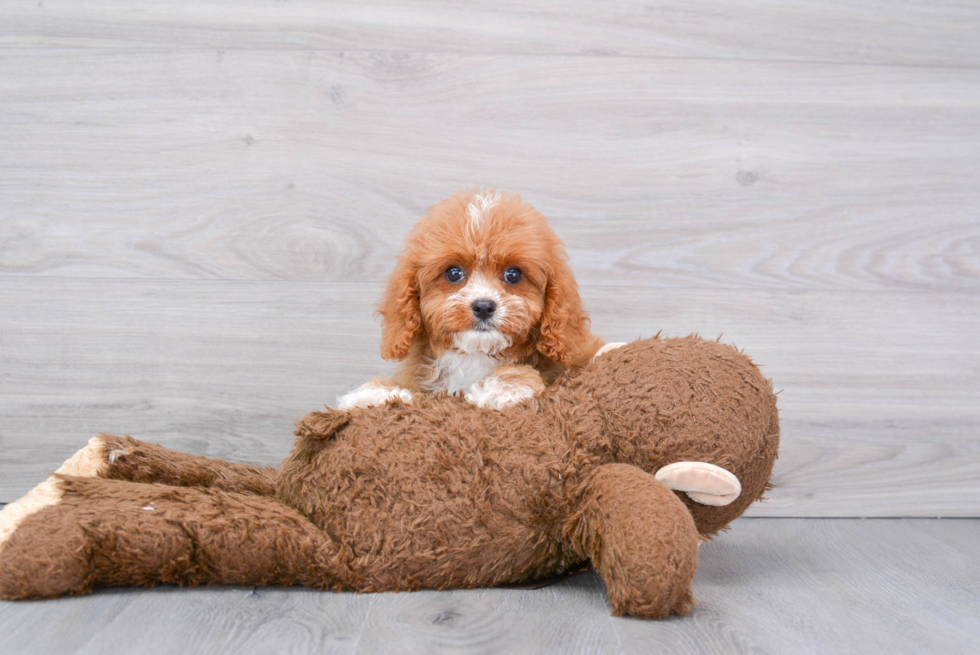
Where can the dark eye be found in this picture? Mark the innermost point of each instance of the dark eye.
(513, 275)
(454, 274)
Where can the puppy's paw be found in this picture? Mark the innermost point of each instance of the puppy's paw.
(371, 394)
(494, 393)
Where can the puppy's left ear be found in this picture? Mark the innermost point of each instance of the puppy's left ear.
(400, 312)
(565, 336)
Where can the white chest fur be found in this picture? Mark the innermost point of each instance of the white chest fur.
(455, 371)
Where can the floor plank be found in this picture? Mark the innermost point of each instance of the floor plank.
(876, 31)
(877, 421)
(830, 586)
(766, 586)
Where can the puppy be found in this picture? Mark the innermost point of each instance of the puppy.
(482, 303)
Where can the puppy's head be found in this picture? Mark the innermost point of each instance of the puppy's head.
(484, 273)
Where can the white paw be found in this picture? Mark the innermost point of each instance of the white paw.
(494, 393)
(703, 482)
(606, 348)
(372, 395)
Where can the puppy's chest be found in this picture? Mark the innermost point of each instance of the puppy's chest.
(454, 371)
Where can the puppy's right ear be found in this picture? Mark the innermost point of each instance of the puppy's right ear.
(400, 312)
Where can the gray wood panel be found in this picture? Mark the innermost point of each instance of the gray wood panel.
(877, 421)
(767, 586)
(198, 204)
(939, 33)
(271, 165)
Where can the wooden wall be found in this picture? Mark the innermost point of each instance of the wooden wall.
(199, 203)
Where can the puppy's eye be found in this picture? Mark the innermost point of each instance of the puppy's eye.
(454, 274)
(513, 275)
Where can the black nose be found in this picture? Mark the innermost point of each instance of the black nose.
(484, 309)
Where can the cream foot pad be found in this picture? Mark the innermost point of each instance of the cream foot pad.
(704, 483)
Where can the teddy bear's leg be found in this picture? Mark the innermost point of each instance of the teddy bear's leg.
(71, 534)
(640, 538)
(124, 458)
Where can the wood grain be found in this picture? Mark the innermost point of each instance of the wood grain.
(311, 166)
(876, 31)
(877, 420)
(197, 208)
(828, 586)
(768, 585)
(200, 201)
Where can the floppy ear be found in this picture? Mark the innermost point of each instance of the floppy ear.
(565, 336)
(400, 312)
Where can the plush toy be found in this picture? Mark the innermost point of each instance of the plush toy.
(629, 464)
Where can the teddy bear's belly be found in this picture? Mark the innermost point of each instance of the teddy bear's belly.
(439, 543)
(442, 514)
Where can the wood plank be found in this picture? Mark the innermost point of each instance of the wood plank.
(828, 586)
(768, 585)
(297, 620)
(284, 165)
(874, 31)
(877, 420)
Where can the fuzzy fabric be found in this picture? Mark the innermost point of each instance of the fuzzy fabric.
(437, 494)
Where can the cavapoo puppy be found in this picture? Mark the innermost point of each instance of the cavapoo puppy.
(482, 302)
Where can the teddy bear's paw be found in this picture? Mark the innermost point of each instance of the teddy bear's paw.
(91, 461)
(703, 482)
(606, 348)
(373, 395)
(46, 494)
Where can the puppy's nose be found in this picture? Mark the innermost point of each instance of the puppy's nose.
(483, 308)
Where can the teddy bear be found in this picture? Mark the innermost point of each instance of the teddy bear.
(628, 464)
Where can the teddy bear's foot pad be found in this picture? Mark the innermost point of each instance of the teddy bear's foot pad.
(89, 462)
(703, 482)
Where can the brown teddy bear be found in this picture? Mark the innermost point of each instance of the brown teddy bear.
(628, 464)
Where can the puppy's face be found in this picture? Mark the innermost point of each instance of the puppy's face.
(481, 273)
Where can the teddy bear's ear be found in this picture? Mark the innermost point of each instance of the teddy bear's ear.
(321, 425)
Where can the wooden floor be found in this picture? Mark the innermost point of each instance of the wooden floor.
(888, 586)
(200, 202)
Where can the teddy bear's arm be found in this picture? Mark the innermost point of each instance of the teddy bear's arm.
(640, 538)
(124, 458)
(71, 534)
